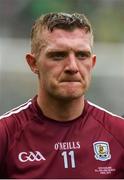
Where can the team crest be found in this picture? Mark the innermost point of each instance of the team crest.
(102, 150)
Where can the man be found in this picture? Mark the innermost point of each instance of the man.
(58, 134)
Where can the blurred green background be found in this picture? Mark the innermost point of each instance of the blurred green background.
(17, 83)
(107, 16)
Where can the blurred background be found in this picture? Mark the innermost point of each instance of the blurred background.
(18, 84)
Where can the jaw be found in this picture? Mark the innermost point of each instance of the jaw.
(68, 91)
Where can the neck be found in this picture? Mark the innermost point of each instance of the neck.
(61, 110)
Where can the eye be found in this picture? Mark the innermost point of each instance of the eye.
(82, 55)
(59, 55)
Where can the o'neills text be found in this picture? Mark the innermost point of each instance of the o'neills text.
(67, 145)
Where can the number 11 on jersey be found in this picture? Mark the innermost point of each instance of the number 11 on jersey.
(68, 156)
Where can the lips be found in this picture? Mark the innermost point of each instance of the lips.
(70, 80)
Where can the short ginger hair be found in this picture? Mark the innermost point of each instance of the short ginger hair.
(64, 21)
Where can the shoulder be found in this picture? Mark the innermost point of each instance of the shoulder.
(16, 111)
(111, 122)
(11, 125)
(96, 109)
(15, 118)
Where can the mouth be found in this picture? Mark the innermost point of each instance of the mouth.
(70, 80)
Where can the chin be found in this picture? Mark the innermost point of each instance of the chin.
(70, 96)
(67, 93)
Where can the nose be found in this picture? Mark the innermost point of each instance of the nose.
(71, 64)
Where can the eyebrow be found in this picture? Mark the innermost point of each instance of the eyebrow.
(54, 52)
(85, 53)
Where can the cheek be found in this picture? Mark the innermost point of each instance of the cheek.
(53, 69)
(88, 65)
(43, 68)
(48, 72)
(85, 69)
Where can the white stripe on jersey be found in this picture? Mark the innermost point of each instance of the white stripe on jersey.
(17, 109)
(104, 110)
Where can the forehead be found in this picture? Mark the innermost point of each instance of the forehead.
(62, 39)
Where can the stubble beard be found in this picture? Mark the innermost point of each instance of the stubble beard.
(65, 94)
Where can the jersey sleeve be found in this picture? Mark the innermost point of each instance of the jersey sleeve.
(3, 142)
(115, 125)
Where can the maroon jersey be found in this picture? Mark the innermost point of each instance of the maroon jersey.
(34, 146)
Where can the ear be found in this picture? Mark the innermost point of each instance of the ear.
(32, 62)
(93, 60)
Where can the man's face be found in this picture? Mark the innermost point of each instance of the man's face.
(65, 64)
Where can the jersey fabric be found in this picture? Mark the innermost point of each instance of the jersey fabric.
(33, 146)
